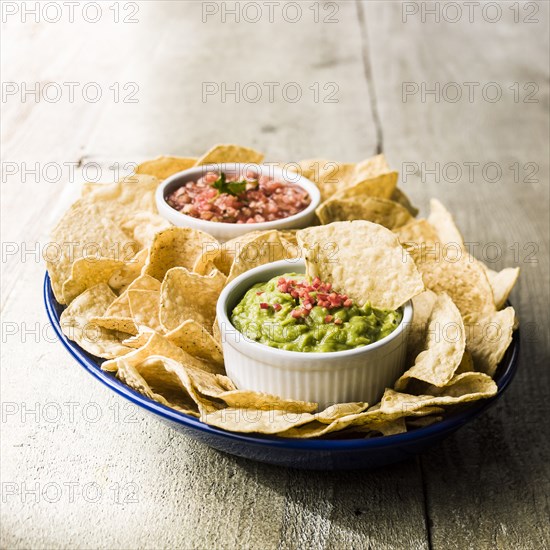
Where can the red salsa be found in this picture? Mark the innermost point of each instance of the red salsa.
(239, 198)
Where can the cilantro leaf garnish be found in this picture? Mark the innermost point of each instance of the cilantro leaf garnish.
(230, 187)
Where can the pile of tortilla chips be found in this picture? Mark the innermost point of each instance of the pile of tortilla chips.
(141, 294)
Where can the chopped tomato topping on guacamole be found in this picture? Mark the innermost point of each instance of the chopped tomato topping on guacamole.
(289, 312)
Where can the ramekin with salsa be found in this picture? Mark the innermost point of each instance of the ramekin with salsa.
(228, 200)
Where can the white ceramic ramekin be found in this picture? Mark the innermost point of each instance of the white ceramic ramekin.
(359, 374)
(226, 231)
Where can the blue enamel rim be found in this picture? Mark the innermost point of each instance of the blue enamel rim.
(505, 373)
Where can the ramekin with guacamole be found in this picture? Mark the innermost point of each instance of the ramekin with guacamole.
(309, 337)
(290, 312)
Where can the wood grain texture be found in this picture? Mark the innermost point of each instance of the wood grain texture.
(486, 487)
(157, 488)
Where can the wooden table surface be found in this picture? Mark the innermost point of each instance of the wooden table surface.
(458, 102)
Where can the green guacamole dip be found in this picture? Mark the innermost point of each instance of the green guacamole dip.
(265, 314)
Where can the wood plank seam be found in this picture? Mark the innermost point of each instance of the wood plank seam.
(367, 68)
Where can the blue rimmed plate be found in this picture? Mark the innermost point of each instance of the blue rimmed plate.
(338, 454)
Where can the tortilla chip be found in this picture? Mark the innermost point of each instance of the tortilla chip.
(118, 315)
(139, 339)
(416, 233)
(92, 226)
(382, 211)
(143, 282)
(76, 323)
(122, 278)
(208, 261)
(331, 176)
(248, 420)
(221, 257)
(216, 333)
(145, 306)
(212, 392)
(204, 388)
(86, 273)
(263, 248)
(463, 388)
(143, 226)
(186, 295)
(419, 239)
(423, 304)
(464, 384)
(132, 194)
(122, 324)
(244, 399)
(153, 379)
(391, 427)
(230, 153)
(369, 420)
(339, 410)
(399, 196)
(363, 260)
(164, 166)
(186, 377)
(223, 262)
(502, 283)
(289, 235)
(488, 337)
(463, 279)
(466, 363)
(159, 345)
(191, 337)
(83, 231)
(176, 247)
(443, 223)
(370, 168)
(308, 168)
(380, 186)
(444, 346)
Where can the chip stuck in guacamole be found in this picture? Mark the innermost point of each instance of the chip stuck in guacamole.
(290, 313)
